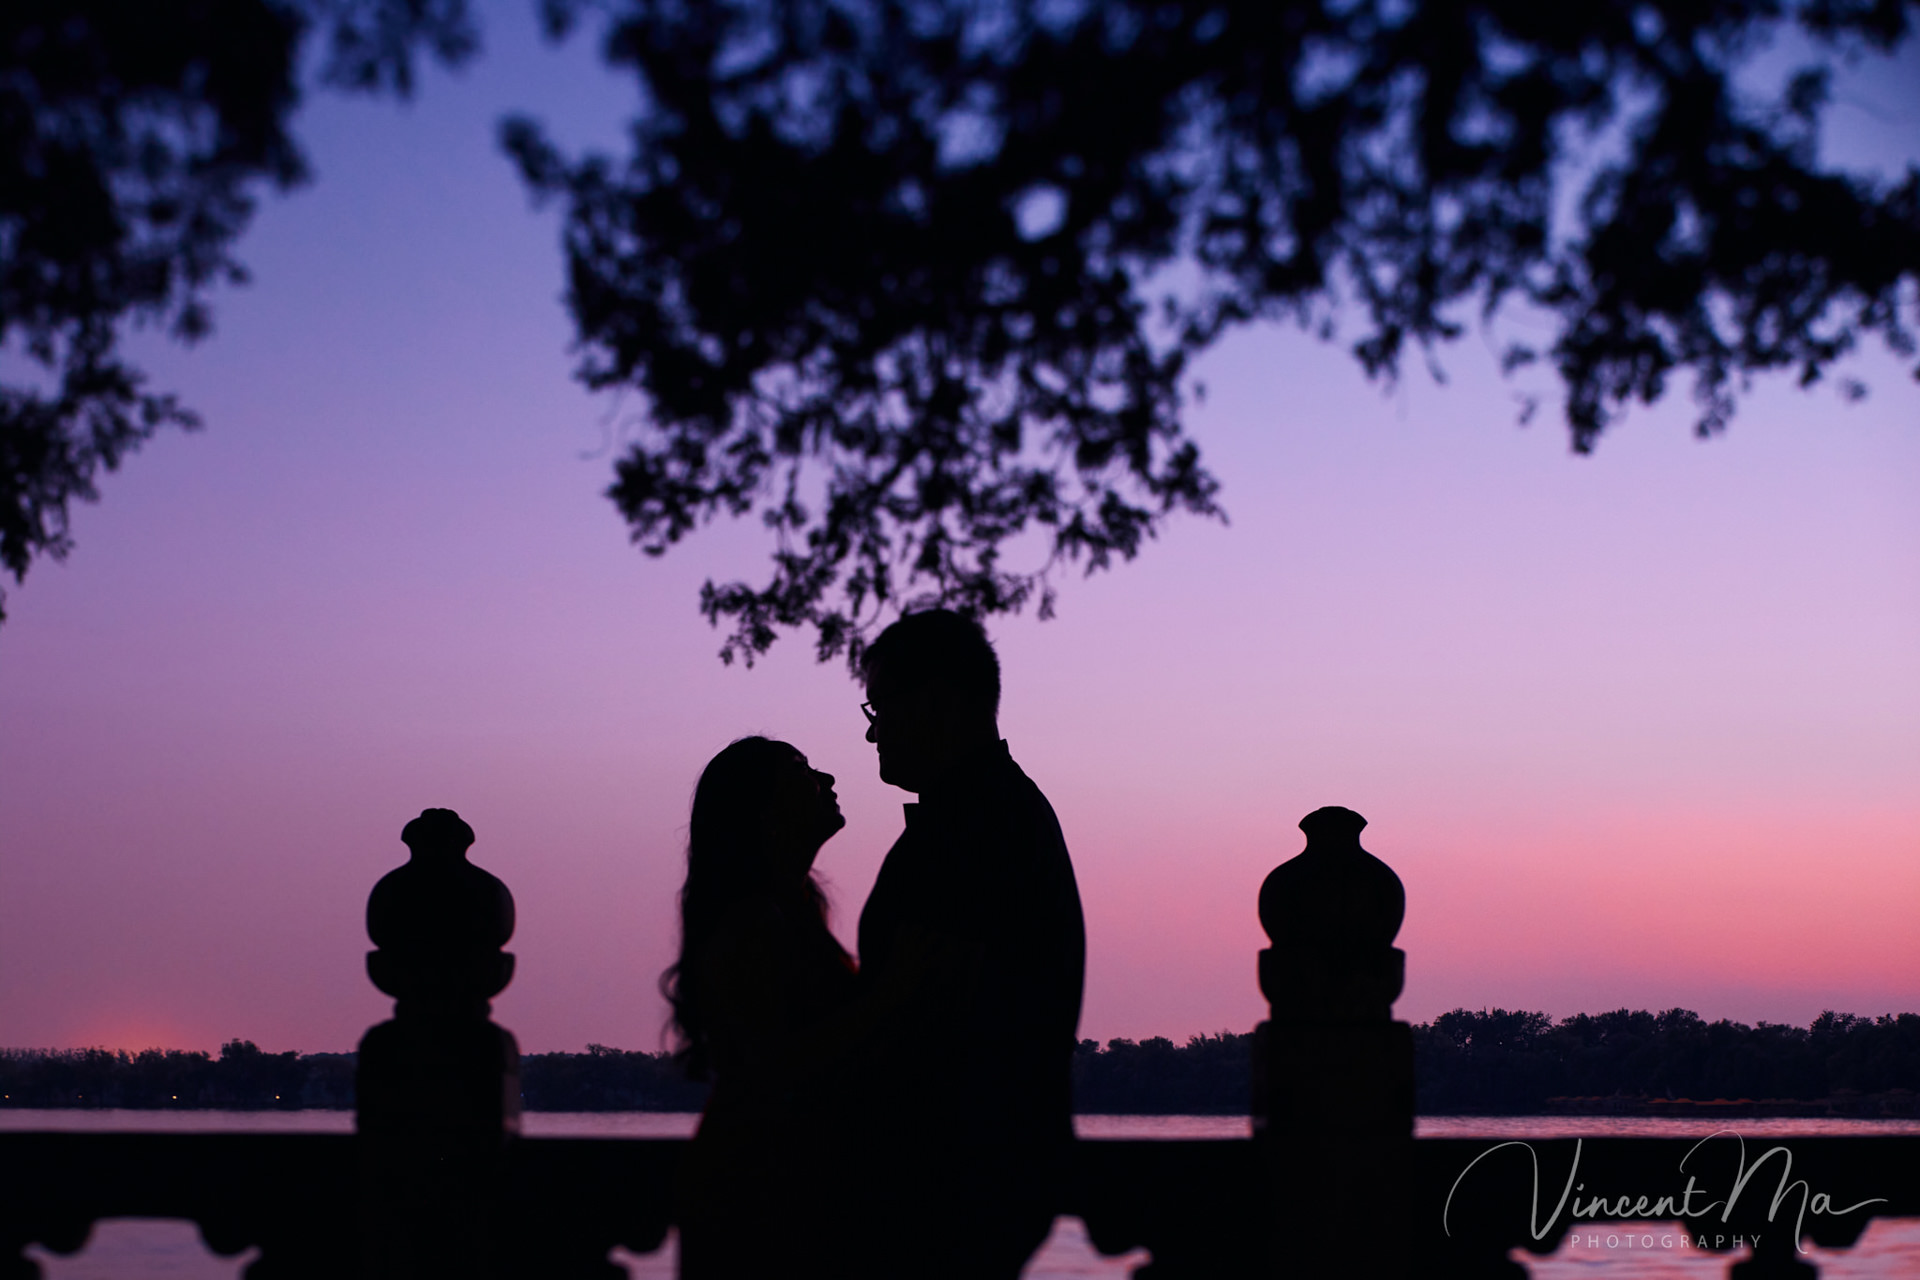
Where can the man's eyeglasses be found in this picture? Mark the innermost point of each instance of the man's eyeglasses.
(866, 709)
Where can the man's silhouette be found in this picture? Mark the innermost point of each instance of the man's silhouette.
(969, 1108)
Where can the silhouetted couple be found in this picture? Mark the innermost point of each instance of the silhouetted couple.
(910, 1116)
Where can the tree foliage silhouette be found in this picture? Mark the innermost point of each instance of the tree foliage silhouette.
(133, 138)
(919, 282)
(913, 279)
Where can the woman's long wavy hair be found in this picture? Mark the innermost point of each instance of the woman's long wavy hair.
(728, 861)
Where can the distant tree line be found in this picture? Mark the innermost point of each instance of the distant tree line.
(603, 1079)
(242, 1078)
(1207, 1076)
(1500, 1062)
(1489, 1062)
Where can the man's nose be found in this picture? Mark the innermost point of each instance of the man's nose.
(826, 779)
(873, 732)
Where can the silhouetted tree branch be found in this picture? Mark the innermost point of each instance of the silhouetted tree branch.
(133, 140)
(918, 281)
(915, 280)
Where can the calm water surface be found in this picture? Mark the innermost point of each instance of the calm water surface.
(161, 1249)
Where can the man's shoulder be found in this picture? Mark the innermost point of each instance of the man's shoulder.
(1014, 840)
(1006, 796)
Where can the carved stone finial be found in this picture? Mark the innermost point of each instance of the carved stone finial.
(439, 923)
(1330, 822)
(1334, 897)
(437, 1091)
(437, 832)
(1333, 1072)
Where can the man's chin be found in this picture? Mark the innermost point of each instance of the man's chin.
(890, 773)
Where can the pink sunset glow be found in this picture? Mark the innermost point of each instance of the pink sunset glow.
(1636, 729)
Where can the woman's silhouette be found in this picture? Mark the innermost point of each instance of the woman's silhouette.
(764, 1004)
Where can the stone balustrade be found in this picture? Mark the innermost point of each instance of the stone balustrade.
(437, 1181)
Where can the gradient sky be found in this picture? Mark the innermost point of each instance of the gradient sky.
(1636, 729)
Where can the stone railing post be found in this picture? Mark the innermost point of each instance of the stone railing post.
(1333, 1072)
(437, 1088)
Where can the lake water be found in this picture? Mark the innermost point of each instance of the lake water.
(161, 1249)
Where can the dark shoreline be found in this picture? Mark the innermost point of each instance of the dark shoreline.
(1895, 1104)
(1486, 1063)
(1898, 1106)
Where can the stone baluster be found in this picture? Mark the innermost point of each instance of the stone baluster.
(437, 1088)
(1333, 1072)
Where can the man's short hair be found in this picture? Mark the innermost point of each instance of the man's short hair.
(938, 646)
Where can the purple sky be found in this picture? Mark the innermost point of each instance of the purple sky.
(1636, 729)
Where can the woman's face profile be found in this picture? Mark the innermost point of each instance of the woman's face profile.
(804, 812)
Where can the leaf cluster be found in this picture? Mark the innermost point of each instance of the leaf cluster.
(134, 138)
